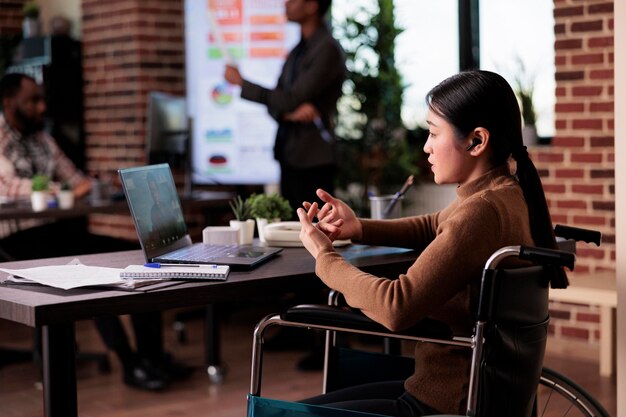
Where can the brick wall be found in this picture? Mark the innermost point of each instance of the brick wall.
(578, 168)
(130, 47)
(11, 17)
(575, 322)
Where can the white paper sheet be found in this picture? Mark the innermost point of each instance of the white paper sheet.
(69, 276)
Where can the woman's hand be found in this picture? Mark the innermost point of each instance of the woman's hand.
(314, 239)
(336, 218)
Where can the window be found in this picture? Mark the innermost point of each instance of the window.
(517, 41)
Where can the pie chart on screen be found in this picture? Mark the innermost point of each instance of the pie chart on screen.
(222, 94)
(218, 160)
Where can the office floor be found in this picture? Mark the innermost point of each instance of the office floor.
(102, 395)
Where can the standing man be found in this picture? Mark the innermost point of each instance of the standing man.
(304, 103)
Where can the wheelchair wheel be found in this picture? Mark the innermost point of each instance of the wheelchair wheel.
(558, 396)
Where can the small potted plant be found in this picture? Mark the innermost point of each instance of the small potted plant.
(269, 208)
(243, 222)
(66, 196)
(524, 90)
(40, 192)
(30, 24)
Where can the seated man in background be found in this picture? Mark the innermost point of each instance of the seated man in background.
(25, 150)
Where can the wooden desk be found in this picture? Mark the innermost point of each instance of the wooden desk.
(55, 310)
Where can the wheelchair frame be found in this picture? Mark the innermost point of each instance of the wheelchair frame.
(564, 387)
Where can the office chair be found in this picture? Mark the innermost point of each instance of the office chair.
(504, 380)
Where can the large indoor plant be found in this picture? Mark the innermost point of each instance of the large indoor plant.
(268, 208)
(377, 152)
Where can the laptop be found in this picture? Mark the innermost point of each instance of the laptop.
(160, 224)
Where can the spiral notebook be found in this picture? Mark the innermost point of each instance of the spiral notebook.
(204, 272)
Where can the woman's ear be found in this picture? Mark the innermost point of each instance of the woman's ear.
(478, 140)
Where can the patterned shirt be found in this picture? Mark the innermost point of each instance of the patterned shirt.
(21, 157)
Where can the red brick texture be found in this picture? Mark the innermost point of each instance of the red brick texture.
(130, 47)
(11, 17)
(575, 322)
(578, 169)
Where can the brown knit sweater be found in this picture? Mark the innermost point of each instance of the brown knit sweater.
(442, 284)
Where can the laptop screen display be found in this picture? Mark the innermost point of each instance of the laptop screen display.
(155, 206)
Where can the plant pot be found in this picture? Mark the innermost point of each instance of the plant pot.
(31, 27)
(245, 229)
(261, 223)
(39, 200)
(66, 199)
(529, 135)
(379, 203)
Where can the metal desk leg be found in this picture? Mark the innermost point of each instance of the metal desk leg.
(59, 370)
(392, 346)
(212, 345)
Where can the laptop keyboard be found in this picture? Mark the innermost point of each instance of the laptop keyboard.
(202, 252)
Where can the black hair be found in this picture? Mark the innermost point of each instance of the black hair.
(476, 98)
(322, 7)
(10, 84)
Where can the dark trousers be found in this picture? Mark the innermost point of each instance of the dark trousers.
(148, 329)
(45, 242)
(298, 185)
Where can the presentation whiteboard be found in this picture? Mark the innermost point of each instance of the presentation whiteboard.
(233, 139)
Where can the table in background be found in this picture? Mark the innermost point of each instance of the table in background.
(15, 216)
(22, 210)
(55, 311)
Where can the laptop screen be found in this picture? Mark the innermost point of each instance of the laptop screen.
(155, 208)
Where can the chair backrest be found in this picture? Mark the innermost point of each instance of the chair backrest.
(516, 332)
(514, 312)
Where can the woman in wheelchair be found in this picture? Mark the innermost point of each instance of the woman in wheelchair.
(475, 141)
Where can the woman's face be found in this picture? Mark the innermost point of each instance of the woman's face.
(450, 161)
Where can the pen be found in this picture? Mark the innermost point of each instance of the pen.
(396, 197)
(160, 265)
(322, 129)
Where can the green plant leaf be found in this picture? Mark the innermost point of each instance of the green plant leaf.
(40, 182)
(31, 9)
(240, 208)
(269, 206)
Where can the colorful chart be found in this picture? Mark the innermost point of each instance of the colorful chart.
(222, 94)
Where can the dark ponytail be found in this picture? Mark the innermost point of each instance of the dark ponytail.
(485, 99)
(538, 213)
